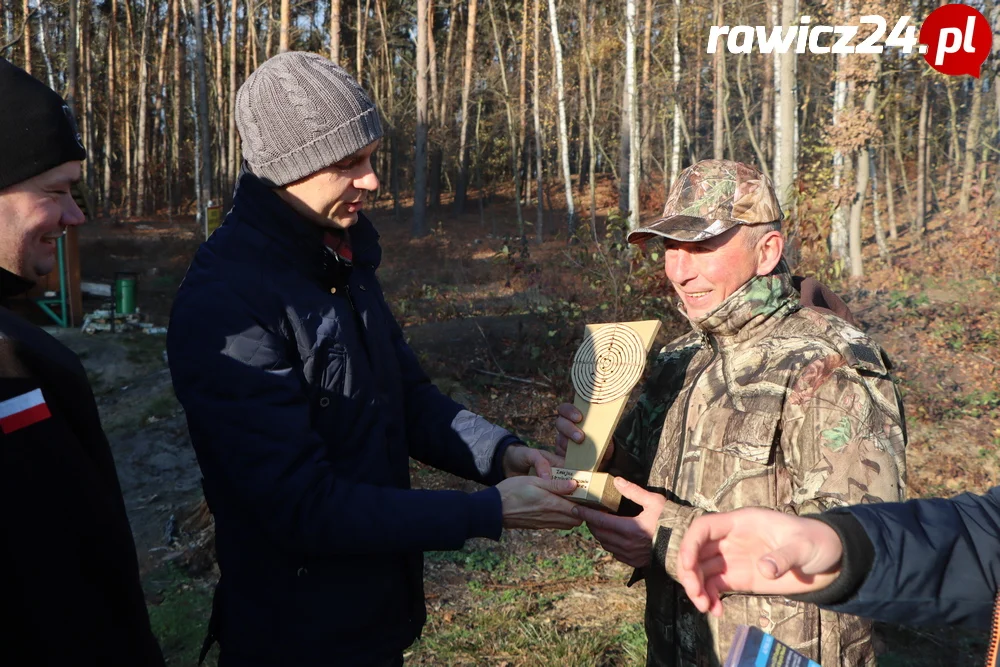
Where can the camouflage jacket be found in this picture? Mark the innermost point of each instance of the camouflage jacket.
(763, 404)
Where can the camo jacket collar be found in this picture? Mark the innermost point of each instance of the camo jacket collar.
(752, 309)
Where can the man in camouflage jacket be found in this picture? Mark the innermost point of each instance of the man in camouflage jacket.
(764, 403)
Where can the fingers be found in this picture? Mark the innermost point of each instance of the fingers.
(538, 459)
(554, 459)
(562, 487)
(634, 492)
(595, 518)
(568, 429)
(570, 412)
(561, 444)
(784, 558)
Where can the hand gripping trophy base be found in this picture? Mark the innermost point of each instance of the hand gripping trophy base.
(607, 366)
(593, 489)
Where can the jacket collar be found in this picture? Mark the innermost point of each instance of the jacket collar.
(752, 308)
(258, 205)
(12, 284)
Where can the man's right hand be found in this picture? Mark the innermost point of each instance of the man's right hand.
(755, 550)
(567, 431)
(532, 502)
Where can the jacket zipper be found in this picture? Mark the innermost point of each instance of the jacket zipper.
(994, 653)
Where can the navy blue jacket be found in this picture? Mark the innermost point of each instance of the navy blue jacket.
(932, 561)
(305, 403)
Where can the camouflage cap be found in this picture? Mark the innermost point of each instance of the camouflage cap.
(711, 197)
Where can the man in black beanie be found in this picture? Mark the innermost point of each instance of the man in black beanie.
(71, 591)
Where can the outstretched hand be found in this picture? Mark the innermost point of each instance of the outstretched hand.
(755, 550)
(629, 539)
(532, 502)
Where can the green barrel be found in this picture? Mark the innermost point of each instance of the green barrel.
(125, 293)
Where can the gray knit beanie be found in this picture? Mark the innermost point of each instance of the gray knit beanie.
(299, 113)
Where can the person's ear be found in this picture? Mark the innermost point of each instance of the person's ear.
(769, 250)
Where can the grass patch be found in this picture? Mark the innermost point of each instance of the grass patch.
(520, 635)
(469, 558)
(180, 620)
(162, 405)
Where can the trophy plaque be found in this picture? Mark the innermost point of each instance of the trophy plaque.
(609, 363)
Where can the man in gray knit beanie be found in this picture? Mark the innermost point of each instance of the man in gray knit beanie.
(305, 403)
(300, 113)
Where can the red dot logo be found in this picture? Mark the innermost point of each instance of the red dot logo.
(958, 39)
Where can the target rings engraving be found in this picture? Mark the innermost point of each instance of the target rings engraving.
(608, 364)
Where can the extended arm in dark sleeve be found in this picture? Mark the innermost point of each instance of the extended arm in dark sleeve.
(249, 408)
(441, 432)
(934, 561)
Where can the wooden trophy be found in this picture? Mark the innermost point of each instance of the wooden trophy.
(607, 366)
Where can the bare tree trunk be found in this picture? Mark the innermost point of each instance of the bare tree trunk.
(540, 213)
(522, 96)
(26, 35)
(43, 30)
(624, 151)
(71, 46)
(362, 31)
(776, 69)
(634, 155)
(219, 97)
(748, 119)
(511, 131)
(585, 40)
(177, 97)
(285, 19)
(140, 140)
(89, 132)
(718, 124)
(269, 29)
(126, 105)
(890, 196)
(581, 109)
(109, 111)
(785, 177)
(647, 111)
(470, 48)
(563, 133)
(419, 225)
(159, 115)
(335, 31)
(432, 63)
(838, 228)
(971, 146)
(232, 164)
(767, 99)
(903, 176)
(919, 220)
(696, 120)
(953, 149)
(437, 152)
(201, 75)
(452, 18)
(863, 173)
(883, 247)
(675, 157)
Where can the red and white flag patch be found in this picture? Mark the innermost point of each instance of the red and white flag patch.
(24, 410)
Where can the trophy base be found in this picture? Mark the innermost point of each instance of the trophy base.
(593, 489)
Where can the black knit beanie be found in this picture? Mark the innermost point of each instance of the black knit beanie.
(37, 130)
